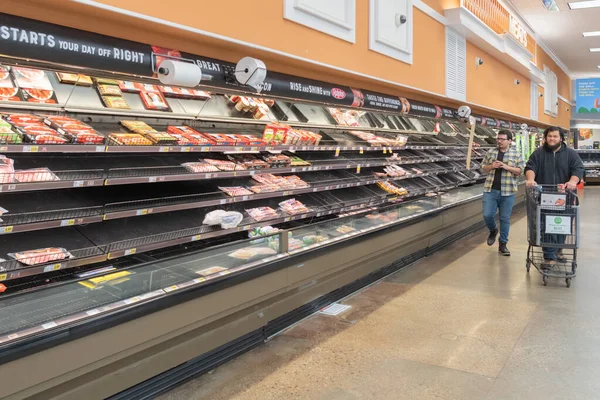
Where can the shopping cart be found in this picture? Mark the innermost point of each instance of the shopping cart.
(552, 231)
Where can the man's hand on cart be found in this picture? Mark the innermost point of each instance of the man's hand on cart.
(531, 183)
(570, 186)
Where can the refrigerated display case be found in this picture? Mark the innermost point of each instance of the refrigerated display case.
(107, 177)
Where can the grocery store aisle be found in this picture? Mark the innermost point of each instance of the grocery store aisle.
(462, 324)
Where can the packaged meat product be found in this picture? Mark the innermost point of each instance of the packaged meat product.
(105, 81)
(199, 167)
(277, 160)
(234, 191)
(41, 256)
(345, 229)
(224, 165)
(35, 175)
(110, 90)
(171, 91)
(253, 140)
(132, 87)
(293, 207)
(264, 188)
(7, 171)
(115, 102)
(211, 271)
(201, 94)
(29, 78)
(160, 138)
(10, 138)
(129, 139)
(137, 126)
(249, 252)
(219, 139)
(345, 117)
(154, 101)
(262, 213)
(195, 137)
(248, 161)
(37, 137)
(298, 162)
(74, 79)
(23, 118)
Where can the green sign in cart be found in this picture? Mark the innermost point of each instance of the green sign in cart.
(558, 224)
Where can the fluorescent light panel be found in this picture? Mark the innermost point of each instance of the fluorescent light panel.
(595, 50)
(584, 4)
(590, 34)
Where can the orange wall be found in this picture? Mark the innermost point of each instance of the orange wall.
(490, 85)
(493, 84)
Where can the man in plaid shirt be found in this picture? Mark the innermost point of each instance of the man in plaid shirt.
(503, 165)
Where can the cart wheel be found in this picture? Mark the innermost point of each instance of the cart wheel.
(528, 266)
(568, 282)
(574, 268)
(545, 280)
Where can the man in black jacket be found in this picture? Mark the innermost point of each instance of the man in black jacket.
(554, 164)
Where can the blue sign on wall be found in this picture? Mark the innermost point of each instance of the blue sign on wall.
(587, 96)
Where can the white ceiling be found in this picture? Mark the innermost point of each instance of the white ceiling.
(562, 30)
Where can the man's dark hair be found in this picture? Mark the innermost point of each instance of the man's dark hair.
(554, 129)
(508, 134)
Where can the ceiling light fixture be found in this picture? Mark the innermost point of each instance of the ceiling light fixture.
(595, 50)
(584, 4)
(590, 34)
(550, 5)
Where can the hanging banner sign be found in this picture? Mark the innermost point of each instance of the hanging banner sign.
(40, 41)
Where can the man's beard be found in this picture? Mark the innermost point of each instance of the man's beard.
(552, 148)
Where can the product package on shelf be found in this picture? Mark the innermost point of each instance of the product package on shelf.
(117, 102)
(7, 170)
(200, 167)
(346, 117)
(264, 188)
(293, 207)
(277, 160)
(252, 140)
(74, 130)
(234, 191)
(262, 213)
(130, 87)
(276, 134)
(34, 130)
(137, 126)
(224, 165)
(109, 90)
(154, 101)
(344, 229)
(184, 93)
(249, 252)
(190, 135)
(41, 256)
(160, 138)
(35, 85)
(74, 79)
(392, 189)
(7, 134)
(298, 162)
(8, 90)
(35, 175)
(258, 107)
(129, 139)
(395, 171)
(375, 140)
(248, 161)
(219, 139)
(280, 182)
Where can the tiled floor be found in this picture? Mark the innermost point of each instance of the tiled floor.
(465, 323)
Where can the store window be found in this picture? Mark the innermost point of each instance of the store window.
(391, 28)
(333, 17)
(534, 96)
(456, 65)
(550, 93)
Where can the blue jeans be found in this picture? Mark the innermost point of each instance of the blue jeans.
(493, 201)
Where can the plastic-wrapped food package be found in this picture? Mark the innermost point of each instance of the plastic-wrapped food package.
(7, 170)
(293, 207)
(231, 219)
(35, 175)
(41, 256)
(199, 167)
(234, 191)
(214, 217)
(262, 213)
